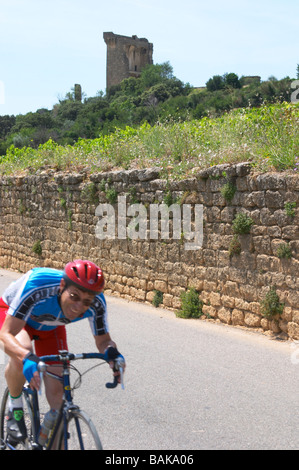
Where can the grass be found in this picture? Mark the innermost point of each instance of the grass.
(267, 136)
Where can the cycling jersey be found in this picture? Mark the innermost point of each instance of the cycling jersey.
(34, 299)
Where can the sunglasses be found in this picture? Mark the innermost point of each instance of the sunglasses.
(74, 297)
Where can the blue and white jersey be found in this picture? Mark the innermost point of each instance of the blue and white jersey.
(34, 299)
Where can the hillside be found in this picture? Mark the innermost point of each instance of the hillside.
(267, 136)
(157, 96)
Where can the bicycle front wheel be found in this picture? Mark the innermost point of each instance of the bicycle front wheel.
(80, 432)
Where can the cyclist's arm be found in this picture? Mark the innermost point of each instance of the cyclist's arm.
(11, 327)
(103, 342)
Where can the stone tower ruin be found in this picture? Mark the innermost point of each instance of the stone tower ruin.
(126, 56)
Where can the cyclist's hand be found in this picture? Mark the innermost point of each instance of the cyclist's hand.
(30, 370)
(115, 360)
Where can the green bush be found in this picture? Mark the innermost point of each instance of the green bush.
(284, 251)
(290, 209)
(191, 304)
(158, 298)
(111, 195)
(228, 191)
(242, 223)
(270, 305)
(37, 248)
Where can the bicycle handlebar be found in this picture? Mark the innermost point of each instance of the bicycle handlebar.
(65, 356)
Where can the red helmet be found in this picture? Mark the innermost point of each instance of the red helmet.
(84, 274)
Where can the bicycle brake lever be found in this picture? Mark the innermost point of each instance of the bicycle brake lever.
(115, 381)
(121, 370)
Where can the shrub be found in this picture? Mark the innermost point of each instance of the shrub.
(284, 251)
(111, 195)
(158, 298)
(290, 209)
(242, 223)
(228, 191)
(191, 304)
(37, 248)
(271, 305)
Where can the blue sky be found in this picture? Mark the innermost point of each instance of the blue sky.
(46, 46)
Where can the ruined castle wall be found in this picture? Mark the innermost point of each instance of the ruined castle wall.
(126, 56)
(49, 218)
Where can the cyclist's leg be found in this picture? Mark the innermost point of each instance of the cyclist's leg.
(15, 381)
(50, 342)
(14, 370)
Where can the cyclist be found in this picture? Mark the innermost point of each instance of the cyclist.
(36, 308)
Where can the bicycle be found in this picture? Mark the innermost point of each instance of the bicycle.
(73, 428)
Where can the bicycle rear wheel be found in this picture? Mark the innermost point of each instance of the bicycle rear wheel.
(81, 433)
(5, 440)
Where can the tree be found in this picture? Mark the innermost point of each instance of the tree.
(218, 82)
(153, 74)
(231, 80)
(6, 124)
(215, 83)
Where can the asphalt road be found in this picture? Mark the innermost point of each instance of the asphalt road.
(189, 384)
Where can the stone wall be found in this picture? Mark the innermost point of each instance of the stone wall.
(49, 218)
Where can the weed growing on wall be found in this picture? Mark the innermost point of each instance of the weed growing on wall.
(271, 305)
(290, 209)
(228, 191)
(234, 246)
(37, 248)
(158, 298)
(284, 251)
(90, 194)
(191, 304)
(242, 223)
